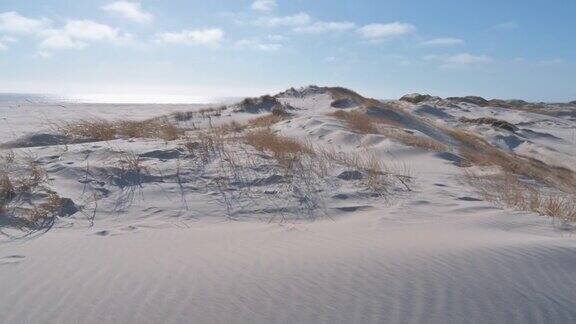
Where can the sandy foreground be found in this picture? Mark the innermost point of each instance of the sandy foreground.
(436, 254)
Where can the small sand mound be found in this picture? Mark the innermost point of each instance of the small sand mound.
(474, 100)
(265, 103)
(497, 123)
(417, 98)
(435, 112)
(344, 103)
(37, 140)
(301, 92)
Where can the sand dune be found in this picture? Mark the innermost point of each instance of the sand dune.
(166, 247)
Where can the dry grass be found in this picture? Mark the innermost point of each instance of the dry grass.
(231, 127)
(131, 163)
(357, 122)
(45, 210)
(102, 130)
(379, 176)
(7, 192)
(19, 181)
(265, 121)
(415, 140)
(204, 145)
(477, 151)
(363, 124)
(284, 149)
(300, 173)
(506, 189)
(182, 116)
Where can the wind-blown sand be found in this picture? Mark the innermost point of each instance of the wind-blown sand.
(437, 254)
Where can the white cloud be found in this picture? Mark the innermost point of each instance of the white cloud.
(298, 20)
(129, 10)
(207, 37)
(89, 30)
(303, 23)
(440, 42)
(264, 5)
(377, 32)
(59, 40)
(323, 27)
(254, 44)
(77, 33)
(460, 60)
(5, 40)
(13, 22)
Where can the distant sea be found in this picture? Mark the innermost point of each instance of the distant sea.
(27, 97)
(109, 98)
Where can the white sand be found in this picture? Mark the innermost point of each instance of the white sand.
(434, 255)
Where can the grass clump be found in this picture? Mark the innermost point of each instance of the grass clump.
(103, 130)
(410, 139)
(357, 122)
(283, 149)
(26, 202)
(508, 190)
(363, 124)
(477, 151)
(183, 116)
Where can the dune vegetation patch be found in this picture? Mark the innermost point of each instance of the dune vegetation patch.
(361, 123)
(261, 171)
(520, 183)
(103, 130)
(509, 190)
(26, 201)
(183, 116)
(497, 123)
(477, 151)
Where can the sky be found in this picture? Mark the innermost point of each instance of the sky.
(229, 48)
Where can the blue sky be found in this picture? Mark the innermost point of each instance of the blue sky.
(505, 49)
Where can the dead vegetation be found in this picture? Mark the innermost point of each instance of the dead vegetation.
(508, 190)
(261, 170)
(183, 116)
(497, 123)
(410, 139)
(477, 151)
(283, 149)
(26, 201)
(277, 115)
(103, 130)
(363, 124)
(520, 183)
(357, 122)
